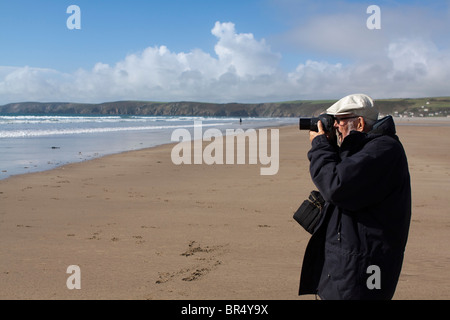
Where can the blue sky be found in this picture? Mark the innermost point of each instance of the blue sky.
(222, 51)
(36, 34)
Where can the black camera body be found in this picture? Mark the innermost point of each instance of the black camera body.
(311, 123)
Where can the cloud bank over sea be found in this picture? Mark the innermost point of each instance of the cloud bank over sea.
(247, 69)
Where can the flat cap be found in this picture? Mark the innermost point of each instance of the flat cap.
(358, 104)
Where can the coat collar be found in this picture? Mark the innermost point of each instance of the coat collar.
(356, 140)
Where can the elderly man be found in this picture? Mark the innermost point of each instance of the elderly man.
(356, 251)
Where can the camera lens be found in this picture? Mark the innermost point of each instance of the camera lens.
(308, 124)
(305, 123)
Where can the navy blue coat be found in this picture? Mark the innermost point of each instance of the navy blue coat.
(366, 218)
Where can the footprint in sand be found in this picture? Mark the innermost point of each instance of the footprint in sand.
(205, 261)
(139, 239)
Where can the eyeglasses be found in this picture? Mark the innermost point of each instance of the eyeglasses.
(338, 120)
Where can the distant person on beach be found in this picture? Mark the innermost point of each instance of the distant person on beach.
(356, 250)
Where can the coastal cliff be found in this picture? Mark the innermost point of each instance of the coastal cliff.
(406, 107)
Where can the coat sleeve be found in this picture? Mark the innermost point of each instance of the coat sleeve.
(357, 181)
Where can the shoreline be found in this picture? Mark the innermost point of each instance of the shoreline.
(399, 121)
(422, 121)
(96, 155)
(140, 227)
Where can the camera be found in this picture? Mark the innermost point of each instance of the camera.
(311, 123)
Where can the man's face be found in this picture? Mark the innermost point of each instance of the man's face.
(345, 124)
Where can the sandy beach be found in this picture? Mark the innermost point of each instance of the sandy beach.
(140, 227)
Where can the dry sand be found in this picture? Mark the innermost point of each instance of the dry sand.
(140, 227)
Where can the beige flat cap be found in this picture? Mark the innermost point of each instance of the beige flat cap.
(358, 104)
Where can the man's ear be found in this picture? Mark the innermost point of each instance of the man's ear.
(361, 124)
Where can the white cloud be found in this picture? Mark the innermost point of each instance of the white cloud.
(27, 83)
(418, 67)
(411, 57)
(242, 52)
(246, 69)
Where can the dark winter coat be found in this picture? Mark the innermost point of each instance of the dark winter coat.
(365, 222)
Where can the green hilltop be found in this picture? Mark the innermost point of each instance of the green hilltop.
(437, 106)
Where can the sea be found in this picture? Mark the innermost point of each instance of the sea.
(33, 143)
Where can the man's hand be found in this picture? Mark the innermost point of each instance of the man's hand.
(313, 134)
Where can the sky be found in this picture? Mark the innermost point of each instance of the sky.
(222, 50)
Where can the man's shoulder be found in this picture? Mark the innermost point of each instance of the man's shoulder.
(384, 139)
(385, 144)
